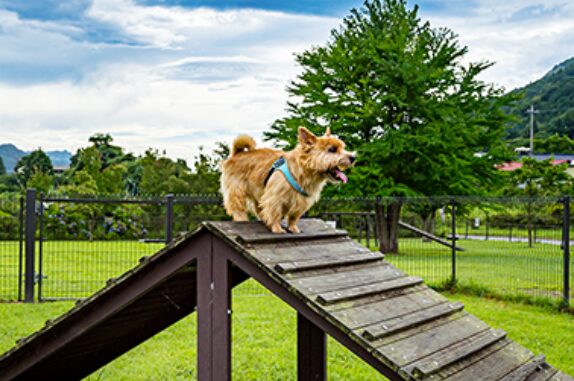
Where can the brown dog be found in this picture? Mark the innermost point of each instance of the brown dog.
(247, 182)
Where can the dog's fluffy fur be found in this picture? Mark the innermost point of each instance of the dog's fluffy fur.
(312, 163)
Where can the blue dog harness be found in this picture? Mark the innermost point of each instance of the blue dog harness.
(281, 165)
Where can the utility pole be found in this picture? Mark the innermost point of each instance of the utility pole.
(532, 111)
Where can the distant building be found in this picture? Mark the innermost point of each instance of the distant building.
(58, 170)
(556, 159)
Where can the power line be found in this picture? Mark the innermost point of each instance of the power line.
(532, 111)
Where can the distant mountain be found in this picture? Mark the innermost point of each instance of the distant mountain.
(10, 154)
(553, 95)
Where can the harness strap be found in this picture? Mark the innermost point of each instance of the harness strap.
(281, 165)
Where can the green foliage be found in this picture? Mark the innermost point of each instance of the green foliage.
(558, 144)
(539, 178)
(109, 154)
(2, 167)
(554, 144)
(552, 95)
(89, 166)
(161, 175)
(35, 162)
(40, 181)
(396, 91)
(9, 184)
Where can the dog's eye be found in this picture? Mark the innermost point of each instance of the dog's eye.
(332, 149)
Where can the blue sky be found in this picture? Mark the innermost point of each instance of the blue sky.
(177, 74)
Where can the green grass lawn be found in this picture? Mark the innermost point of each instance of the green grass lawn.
(264, 346)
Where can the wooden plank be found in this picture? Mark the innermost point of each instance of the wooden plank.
(495, 366)
(231, 228)
(522, 372)
(253, 239)
(368, 314)
(327, 261)
(468, 361)
(559, 376)
(406, 352)
(401, 323)
(366, 290)
(428, 235)
(457, 352)
(544, 373)
(409, 332)
(307, 250)
(337, 281)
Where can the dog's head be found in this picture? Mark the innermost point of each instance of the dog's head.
(325, 155)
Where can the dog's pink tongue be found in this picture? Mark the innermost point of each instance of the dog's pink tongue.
(341, 176)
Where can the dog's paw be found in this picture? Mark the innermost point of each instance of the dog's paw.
(294, 229)
(278, 230)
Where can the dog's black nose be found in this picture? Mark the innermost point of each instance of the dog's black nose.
(352, 159)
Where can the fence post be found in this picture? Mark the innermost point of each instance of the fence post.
(30, 245)
(20, 247)
(169, 218)
(40, 246)
(566, 249)
(486, 230)
(453, 236)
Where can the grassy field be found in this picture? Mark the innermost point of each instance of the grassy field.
(264, 346)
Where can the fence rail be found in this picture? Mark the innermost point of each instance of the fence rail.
(54, 247)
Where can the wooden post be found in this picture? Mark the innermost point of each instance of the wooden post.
(213, 316)
(311, 351)
(30, 246)
(453, 241)
(20, 248)
(168, 218)
(566, 251)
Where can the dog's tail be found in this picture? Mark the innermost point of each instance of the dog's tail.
(242, 143)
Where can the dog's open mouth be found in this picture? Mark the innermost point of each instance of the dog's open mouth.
(337, 175)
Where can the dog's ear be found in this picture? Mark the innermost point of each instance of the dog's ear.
(306, 137)
(328, 132)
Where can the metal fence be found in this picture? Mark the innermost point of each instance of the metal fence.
(500, 246)
(11, 248)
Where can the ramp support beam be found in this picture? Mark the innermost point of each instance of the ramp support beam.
(213, 317)
(311, 351)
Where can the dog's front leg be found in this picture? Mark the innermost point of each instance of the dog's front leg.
(271, 214)
(292, 222)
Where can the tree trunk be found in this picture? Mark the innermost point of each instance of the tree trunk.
(388, 226)
(429, 223)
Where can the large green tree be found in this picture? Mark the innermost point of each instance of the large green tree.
(397, 91)
(2, 167)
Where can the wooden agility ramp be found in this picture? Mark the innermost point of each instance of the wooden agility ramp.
(392, 321)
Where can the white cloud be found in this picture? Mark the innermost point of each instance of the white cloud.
(524, 38)
(199, 76)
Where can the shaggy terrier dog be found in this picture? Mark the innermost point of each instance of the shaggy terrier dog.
(274, 184)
